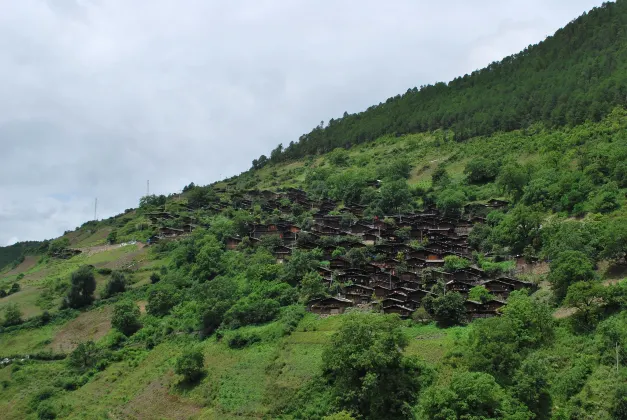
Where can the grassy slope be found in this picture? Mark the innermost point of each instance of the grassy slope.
(241, 383)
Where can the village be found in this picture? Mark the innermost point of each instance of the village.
(403, 268)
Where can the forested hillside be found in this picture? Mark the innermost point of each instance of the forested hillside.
(578, 74)
(409, 276)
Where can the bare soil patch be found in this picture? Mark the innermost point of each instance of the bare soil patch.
(92, 325)
(155, 402)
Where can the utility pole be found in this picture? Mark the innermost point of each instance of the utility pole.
(147, 188)
(96, 209)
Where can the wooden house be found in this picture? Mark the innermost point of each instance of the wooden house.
(458, 286)
(358, 294)
(329, 305)
(232, 242)
(402, 310)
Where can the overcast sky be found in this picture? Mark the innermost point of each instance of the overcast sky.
(97, 96)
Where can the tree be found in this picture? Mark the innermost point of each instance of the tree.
(567, 268)
(481, 170)
(338, 157)
(450, 201)
(520, 227)
(531, 386)
(439, 177)
(614, 239)
(115, 285)
(394, 195)
(200, 196)
(512, 179)
(311, 287)
(447, 309)
(606, 198)
(155, 278)
(82, 288)
(85, 356)
(161, 300)
(152, 200)
(470, 395)
(367, 370)
(12, 315)
(126, 317)
(479, 294)
(190, 364)
(112, 237)
(586, 296)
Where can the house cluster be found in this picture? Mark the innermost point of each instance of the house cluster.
(408, 252)
(170, 224)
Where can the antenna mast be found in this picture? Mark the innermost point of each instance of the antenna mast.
(147, 187)
(96, 209)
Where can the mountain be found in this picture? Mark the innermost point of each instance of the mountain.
(425, 272)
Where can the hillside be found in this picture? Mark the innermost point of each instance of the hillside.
(411, 275)
(577, 74)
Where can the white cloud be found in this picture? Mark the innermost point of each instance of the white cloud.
(100, 95)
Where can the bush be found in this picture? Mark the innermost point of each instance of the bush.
(45, 411)
(115, 285)
(112, 237)
(251, 310)
(155, 278)
(83, 286)
(126, 317)
(240, 339)
(190, 364)
(12, 315)
(454, 263)
(104, 271)
(15, 287)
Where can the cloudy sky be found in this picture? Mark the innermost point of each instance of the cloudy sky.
(97, 96)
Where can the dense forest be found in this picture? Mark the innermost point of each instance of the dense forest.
(578, 74)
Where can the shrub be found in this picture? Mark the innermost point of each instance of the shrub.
(126, 317)
(112, 237)
(45, 411)
(12, 315)
(480, 294)
(190, 364)
(15, 287)
(155, 278)
(251, 310)
(454, 263)
(104, 271)
(115, 285)
(240, 339)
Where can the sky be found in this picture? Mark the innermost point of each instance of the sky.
(99, 96)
